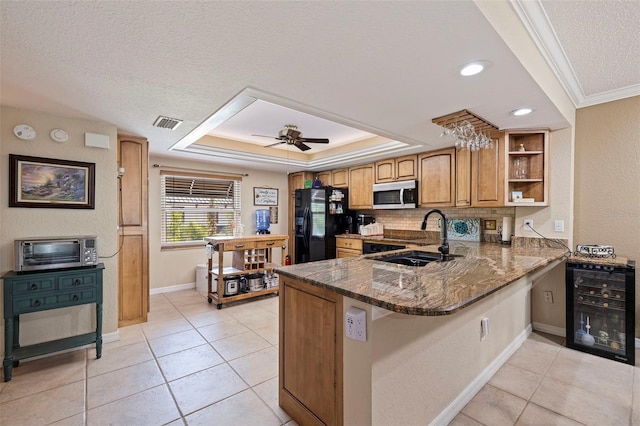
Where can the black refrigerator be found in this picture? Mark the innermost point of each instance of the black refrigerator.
(320, 215)
(601, 309)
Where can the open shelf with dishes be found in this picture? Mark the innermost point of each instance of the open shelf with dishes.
(527, 168)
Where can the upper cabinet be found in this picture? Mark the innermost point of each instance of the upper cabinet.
(527, 163)
(487, 176)
(325, 178)
(361, 187)
(463, 178)
(395, 169)
(437, 171)
(340, 178)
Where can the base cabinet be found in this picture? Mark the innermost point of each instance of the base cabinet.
(348, 247)
(310, 359)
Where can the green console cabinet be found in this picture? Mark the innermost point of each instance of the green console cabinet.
(40, 291)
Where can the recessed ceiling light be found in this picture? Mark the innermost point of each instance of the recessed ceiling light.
(521, 111)
(473, 68)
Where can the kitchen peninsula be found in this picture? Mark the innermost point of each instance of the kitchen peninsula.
(425, 354)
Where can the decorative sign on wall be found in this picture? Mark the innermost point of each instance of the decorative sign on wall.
(273, 214)
(265, 196)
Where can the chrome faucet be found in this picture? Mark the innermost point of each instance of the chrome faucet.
(444, 248)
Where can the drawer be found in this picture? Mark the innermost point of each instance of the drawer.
(33, 285)
(269, 244)
(68, 282)
(24, 304)
(349, 243)
(239, 246)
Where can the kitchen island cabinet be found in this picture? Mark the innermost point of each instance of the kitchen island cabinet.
(424, 354)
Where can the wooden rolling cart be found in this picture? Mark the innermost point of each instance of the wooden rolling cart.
(253, 254)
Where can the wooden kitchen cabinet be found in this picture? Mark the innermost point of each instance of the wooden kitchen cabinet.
(340, 178)
(487, 175)
(325, 178)
(397, 169)
(310, 353)
(361, 187)
(527, 171)
(463, 178)
(348, 247)
(437, 178)
(296, 181)
(133, 256)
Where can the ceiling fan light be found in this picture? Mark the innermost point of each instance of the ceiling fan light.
(473, 68)
(521, 111)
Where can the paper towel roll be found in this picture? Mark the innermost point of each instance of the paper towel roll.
(506, 229)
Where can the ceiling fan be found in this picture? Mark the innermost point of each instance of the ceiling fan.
(291, 136)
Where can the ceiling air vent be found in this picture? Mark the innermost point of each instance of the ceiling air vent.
(167, 123)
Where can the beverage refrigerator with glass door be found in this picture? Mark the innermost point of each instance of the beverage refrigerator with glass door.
(320, 215)
(601, 309)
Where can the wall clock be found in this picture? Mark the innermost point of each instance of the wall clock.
(24, 132)
(59, 135)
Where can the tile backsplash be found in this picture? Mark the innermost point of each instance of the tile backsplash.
(411, 219)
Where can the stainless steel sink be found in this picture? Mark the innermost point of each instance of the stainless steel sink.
(415, 258)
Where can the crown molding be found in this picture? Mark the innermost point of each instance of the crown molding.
(537, 23)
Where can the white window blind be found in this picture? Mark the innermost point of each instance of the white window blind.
(194, 207)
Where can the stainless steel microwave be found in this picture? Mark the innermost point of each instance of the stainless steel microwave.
(396, 195)
(55, 253)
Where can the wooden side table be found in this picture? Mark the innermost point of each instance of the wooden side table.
(41, 291)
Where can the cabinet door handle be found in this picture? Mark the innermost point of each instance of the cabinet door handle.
(37, 302)
(75, 298)
(77, 281)
(270, 243)
(34, 286)
(239, 245)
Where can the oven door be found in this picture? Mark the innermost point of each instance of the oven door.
(37, 255)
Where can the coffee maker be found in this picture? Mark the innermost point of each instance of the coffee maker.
(363, 220)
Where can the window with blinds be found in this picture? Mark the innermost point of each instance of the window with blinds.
(198, 206)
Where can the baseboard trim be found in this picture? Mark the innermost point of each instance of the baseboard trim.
(172, 288)
(448, 414)
(551, 329)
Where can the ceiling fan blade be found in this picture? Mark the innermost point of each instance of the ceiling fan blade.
(314, 140)
(274, 144)
(301, 146)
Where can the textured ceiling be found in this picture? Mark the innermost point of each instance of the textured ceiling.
(601, 40)
(385, 68)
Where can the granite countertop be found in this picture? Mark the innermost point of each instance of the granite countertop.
(398, 239)
(439, 288)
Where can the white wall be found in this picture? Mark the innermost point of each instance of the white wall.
(20, 222)
(178, 266)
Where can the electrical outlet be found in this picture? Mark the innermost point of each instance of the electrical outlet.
(548, 297)
(528, 225)
(356, 324)
(484, 328)
(559, 226)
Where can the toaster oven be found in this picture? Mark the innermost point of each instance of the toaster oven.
(55, 253)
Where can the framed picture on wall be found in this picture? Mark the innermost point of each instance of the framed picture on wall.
(51, 183)
(265, 196)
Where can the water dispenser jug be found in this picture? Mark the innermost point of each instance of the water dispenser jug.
(262, 221)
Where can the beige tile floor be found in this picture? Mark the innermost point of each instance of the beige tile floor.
(193, 364)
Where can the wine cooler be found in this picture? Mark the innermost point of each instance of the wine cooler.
(601, 309)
